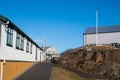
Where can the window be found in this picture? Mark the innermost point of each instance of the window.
(27, 47)
(9, 36)
(22, 43)
(18, 41)
(31, 48)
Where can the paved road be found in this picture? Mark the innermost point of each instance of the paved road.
(40, 71)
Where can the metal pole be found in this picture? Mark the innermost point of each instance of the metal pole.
(97, 42)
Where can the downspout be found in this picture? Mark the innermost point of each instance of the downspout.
(2, 68)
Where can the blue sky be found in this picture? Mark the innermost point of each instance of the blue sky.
(61, 22)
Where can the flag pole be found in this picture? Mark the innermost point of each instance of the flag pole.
(97, 43)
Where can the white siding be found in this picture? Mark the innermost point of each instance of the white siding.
(51, 50)
(38, 54)
(11, 53)
(1, 55)
(103, 38)
(43, 56)
(0, 33)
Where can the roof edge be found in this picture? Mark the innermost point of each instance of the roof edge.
(4, 19)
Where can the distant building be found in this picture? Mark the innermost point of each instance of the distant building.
(106, 35)
(51, 52)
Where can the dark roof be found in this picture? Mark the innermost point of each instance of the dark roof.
(4, 19)
(107, 29)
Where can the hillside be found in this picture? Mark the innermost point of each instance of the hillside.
(100, 62)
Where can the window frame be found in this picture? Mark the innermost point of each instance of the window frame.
(9, 41)
(31, 48)
(22, 43)
(27, 46)
(17, 41)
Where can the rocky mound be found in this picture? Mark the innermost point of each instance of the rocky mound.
(98, 61)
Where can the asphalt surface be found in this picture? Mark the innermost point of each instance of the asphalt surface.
(39, 71)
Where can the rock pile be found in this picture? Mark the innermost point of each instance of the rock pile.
(98, 61)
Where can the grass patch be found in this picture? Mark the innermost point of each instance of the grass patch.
(63, 74)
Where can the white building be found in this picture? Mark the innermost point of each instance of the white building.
(106, 35)
(16, 45)
(51, 52)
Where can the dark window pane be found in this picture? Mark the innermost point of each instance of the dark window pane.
(9, 36)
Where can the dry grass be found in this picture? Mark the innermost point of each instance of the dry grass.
(63, 74)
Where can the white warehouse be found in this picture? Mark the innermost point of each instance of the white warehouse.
(106, 35)
(51, 52)
(17, 50)
(15, 45)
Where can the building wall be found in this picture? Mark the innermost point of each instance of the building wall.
(43, 56)
(11, 53)
(16, 60)
(103, 38)
(38, 55)
(51, 50)
(53, 53)
(0, 33)
(12, 69)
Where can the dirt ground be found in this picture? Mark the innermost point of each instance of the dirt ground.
(101, 62)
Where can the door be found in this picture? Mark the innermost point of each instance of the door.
(36, 54)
